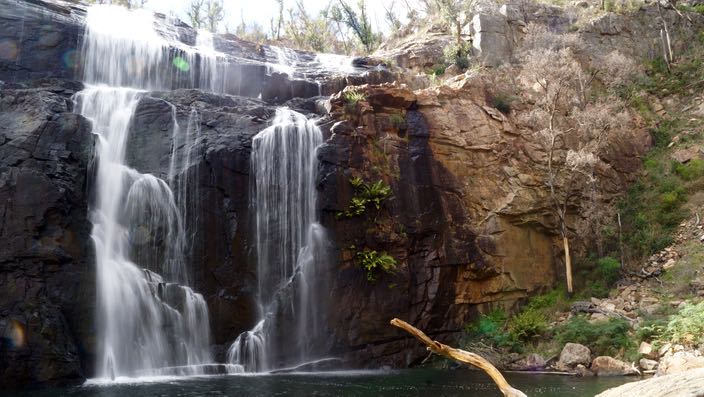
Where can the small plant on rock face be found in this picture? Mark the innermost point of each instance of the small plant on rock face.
(374, 263)
(397, 120)
(457, 54)
(352, 99)
(366, 195)
(502, 102)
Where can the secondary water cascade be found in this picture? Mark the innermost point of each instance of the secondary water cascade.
(289, 244)
(149, 322)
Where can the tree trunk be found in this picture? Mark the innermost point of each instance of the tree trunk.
(568, 264)
(461, 356)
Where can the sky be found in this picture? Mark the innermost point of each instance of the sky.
(261, 11)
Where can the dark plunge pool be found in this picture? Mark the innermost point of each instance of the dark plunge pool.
(425, 383)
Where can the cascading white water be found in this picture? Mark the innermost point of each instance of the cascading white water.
(149, 321)
(210, 77)
(289, 241)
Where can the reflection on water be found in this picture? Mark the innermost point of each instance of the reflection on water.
(425, 383)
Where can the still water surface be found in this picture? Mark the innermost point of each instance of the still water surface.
(422, 383)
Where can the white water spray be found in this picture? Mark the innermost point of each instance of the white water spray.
(149, 321)
(289, 241)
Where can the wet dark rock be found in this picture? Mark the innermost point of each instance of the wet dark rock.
(47, 287)
(39, 39)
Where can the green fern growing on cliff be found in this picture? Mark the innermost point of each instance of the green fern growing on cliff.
(374, 263)
(354, 97)
(365, 195)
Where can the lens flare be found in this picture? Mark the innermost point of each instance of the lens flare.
(69, 59)
(181, 64)
(8, 50)
(15, 334)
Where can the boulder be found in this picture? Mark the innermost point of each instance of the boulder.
(531, 362)
(573, 354)
(647, 364)
(646, 349)
(609, 366)
(582, 371)
(685, 155)
(684, 384)
(679, 361)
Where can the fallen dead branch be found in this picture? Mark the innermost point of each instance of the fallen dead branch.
(461, 356)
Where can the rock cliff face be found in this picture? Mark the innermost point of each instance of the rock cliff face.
(468, 219)
(46, 282)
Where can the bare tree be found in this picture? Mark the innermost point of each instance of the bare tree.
(195, 14)
(277, 23)
(214, 14)
(457, 13)
(571, 129)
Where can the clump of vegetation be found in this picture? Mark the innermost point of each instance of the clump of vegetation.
(652, 209)
(489, 329)
(374, 263)
(457, 54)
(527, 325)
(436, 70)
(502, 101)
(686, 327)
(352, 100)
(609, 337)
(692, 170)
(397, 120)
(354, 97)
(365, 195)
(698, 8)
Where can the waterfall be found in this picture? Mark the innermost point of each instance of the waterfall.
(148, 320)
(289, 243)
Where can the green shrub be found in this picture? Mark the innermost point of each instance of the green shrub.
(374, 263)
(457, 54)
(437, 70)
(609, 337)
(690, 171)
(662, 134)
(685, 327)
(609, 270)
(365, 195)
(489, 328)
(527, 325)
(502, 102)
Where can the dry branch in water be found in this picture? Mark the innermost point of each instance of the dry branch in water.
(461, 356)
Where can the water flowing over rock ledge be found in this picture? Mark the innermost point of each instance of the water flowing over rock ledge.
(467, 220)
